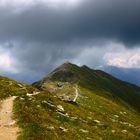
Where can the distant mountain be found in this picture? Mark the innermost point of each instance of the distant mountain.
(96, 81)
(131, 75)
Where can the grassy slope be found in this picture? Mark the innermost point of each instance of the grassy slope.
(10, 87)
(108, 86)
(99, 82)
(93, 117)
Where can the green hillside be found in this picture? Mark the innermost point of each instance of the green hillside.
(105, 108)
(96, 81)
(10, 87)
(75, 103)
(91, 117)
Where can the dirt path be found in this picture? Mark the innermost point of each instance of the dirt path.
(8, 128)
(76, 94)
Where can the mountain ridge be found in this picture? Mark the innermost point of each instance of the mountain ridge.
(97, 81)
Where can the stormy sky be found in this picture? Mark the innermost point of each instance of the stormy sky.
(38, 35)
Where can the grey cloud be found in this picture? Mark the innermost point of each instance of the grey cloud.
(40, 37)
(131, 75)
(117, 20)
(40, 57)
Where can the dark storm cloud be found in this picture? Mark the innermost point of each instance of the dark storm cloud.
(41, 58)
(117, 20)
(41, 37)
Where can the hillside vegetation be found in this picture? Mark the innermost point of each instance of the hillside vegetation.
(75, 103)
(10, 87)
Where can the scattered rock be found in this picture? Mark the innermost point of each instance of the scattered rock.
(44, 102)
(60, 84)
(55, 96)
(30, 99)
(21, 86)
(113, 131)
(89, 118)
(96, 121)
(28, 94)
(84, 121)
(74, 118)
(124, 131)
(83, 131)
(89, 138)
(63, 129)
(21, 98)
(123, 113)
(126, 123)
(62, 114)
(131, 125)
(50, 104)
(50, 128)
(60, 108)
(38, 106)
(116, 116)
(35, 93)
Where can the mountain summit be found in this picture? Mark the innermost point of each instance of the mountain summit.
(97, 81)
(64, 73)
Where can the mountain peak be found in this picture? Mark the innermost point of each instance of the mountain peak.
(63, 73)
(67, 63)
(66, 66)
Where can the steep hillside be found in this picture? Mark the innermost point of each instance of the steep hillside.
(96, 81)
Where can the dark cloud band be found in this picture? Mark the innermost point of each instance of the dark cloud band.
(91, 19)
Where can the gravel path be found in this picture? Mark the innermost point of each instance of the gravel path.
(8, 127)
